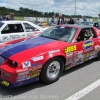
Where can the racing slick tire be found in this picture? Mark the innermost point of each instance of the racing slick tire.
(52, 70)
(98, 56)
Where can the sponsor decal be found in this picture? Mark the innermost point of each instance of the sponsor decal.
(35, 67)
(91, 57)
(80, 52)
(69, 60)
(73, 63)
(5, 83)
(34, 73)
(86, 55)
(67, 68)
(37, 58)
(97, 48)
(80, 60)
(36, 64)
(86, 59)
(69, 54)
(88, 44)
(75, 55)
(54, 51)
(26, 64)
(70, 49)
(23, 76)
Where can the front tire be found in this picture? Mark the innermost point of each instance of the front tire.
(52, 70)
(98, 56)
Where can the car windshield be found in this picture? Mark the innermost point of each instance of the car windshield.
(1, 24)
(65, 34)
(87, 23)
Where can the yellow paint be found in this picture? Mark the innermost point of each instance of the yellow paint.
(44, 23)
(70, 49)
(5, 83)
(34, 75)
(67, 68)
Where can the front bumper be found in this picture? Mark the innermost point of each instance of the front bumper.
(16, 84)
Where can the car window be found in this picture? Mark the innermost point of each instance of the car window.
(12, 28)
(29, 28)
(65, 34)
(86, 34)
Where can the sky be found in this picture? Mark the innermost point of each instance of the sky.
(67, 7)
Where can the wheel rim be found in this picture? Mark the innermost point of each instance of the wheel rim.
(53, 69)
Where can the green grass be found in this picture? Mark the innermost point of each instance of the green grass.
(19, 18)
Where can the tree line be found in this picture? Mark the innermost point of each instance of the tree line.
(33, 13)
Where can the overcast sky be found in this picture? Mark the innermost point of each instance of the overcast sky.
(83, 7)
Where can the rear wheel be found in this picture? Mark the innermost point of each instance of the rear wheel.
(52, 70)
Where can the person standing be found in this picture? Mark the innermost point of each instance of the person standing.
(10, 16)
(71, 21)
(60, 19)
(85, 19)
(53, 20)
(78, 21)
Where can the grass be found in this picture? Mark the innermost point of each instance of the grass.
(19, 18)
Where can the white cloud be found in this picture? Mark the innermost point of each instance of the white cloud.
(86, 7)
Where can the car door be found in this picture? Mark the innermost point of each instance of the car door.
(86, 44)
(12, 32)
(30, 30)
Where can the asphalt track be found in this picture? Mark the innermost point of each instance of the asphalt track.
(79, 83)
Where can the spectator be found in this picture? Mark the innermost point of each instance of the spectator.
(60, 20)
(71, 21)
(85, 19)
(78, 21)
(10, 16)
(53, 20)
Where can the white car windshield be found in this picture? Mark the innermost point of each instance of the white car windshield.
(65, 34)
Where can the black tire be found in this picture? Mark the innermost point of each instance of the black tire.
(98, 56)
(44, 76)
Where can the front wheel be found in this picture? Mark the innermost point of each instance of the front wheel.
(52, 70)
(98, 56)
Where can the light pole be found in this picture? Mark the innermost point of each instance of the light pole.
(75, 9)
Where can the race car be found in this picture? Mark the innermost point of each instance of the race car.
(46, 57)
(11, 30)
(91, 23)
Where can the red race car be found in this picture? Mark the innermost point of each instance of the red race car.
(46, 57)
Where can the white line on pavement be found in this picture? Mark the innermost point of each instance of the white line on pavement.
(84, 91)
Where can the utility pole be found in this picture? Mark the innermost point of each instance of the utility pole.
(75, 9)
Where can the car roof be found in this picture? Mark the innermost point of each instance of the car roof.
(91, 22)
(13, 21)
(76, 26)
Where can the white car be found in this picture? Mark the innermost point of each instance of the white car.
(11, 30)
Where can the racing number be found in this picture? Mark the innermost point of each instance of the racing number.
(5, 83)
(70, 49)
